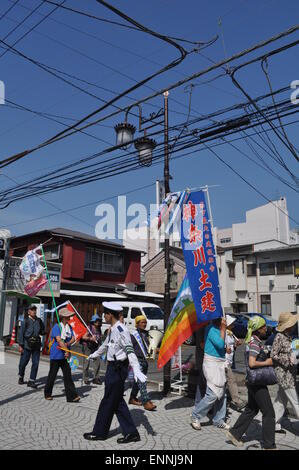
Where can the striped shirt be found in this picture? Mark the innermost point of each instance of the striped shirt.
(255, 346)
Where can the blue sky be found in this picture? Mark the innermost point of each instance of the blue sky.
(114, 58)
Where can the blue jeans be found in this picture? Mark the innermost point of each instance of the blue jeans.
(25, 358)
(209, 401)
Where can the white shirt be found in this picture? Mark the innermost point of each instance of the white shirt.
(118, 345)
(230, 342)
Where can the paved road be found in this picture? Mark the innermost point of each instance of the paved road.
(28, 421)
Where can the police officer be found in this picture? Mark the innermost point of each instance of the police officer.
(120, 354)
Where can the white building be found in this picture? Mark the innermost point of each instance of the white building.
(258, 262)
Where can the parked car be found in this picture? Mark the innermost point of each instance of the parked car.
(153, 313)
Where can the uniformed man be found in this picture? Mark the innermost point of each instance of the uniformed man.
(120, 354)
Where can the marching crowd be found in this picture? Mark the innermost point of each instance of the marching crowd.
(127, 353)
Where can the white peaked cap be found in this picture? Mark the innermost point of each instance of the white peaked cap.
(229, 320)
(112, 306)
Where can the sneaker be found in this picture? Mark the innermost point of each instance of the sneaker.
(234, 440)
(21, 381)
(223, 426)
(195, 423)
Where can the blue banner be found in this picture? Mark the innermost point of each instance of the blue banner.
(200, 259)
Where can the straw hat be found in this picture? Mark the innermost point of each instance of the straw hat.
(286, 320)
(65, 313)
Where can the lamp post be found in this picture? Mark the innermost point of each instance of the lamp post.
(125, 134)
(167, 367)
(6, 240)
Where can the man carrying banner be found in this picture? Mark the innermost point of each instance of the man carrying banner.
(214, 372)
(63, 337)
(120, 353)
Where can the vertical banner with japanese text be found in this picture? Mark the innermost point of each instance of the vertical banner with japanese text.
(200, 259)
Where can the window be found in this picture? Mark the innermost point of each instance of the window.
(231, 269)
(104, 261)
(135, 312)
(251, 269)
(297, 300)
(267, 269)
(225, 240)
(266, 304)
(125, 311)
(174, 281)
(153, 313)
(51, 251)
(284, 267)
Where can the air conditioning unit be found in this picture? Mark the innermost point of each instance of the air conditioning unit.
(271, 282)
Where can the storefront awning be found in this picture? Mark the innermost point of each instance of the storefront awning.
(134, 293)
(80, 293)
(20, 295)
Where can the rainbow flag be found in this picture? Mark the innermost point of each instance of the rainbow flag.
(181, 324)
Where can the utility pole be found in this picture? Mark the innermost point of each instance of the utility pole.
(167, 367)
(3, 287)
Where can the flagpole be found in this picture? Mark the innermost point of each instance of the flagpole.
(212, 230)
(50, 285)
(72, 352)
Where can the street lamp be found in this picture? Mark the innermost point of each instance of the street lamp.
(145, 146)
(125, 135)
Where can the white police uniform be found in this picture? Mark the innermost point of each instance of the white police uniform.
(120, 353)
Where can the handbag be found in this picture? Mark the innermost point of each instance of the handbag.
(260, 375)
(34, 343)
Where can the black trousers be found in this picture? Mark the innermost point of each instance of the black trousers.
(258, 400)
(69, 386)
(114, 403)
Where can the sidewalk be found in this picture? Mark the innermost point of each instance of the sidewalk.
(30, 422)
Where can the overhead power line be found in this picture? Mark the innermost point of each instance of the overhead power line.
(82, 206)
(32, 28)
(96, 171)
(9, 9)
(71, 130)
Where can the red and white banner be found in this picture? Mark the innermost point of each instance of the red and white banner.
(78, 327)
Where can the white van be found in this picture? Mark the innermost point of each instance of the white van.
(153, 313)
